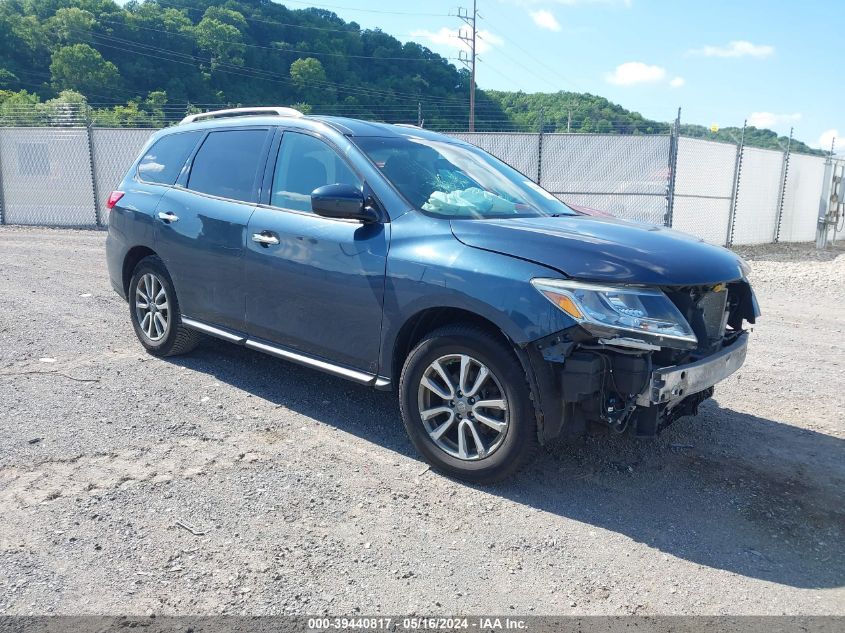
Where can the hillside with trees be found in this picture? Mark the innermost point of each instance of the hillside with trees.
(586, 113)
(149, 63)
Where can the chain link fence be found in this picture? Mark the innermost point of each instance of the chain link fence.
(704, 188)
(112, 152)
(625, 176)
(800, 194)
(724, 193)
(46, 176)
(758, 196)
(520, 151)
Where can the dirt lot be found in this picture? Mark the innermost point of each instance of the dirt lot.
(304, 496)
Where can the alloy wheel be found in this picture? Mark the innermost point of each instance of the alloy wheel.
(463, 407)
(152, 308)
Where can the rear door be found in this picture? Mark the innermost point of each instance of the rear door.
(201, 223)
(314, 284)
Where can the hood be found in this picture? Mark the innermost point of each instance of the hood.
(604, 249)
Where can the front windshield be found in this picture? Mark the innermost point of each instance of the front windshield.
(458, 181)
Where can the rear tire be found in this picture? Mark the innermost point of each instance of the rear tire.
(154, 311)
(466, 405)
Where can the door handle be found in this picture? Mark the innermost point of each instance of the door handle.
(168, 216)
(265, 238)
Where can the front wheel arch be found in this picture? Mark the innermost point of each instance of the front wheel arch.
(426, 321)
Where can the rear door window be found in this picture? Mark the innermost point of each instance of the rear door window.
(164, 160)
(227, 163)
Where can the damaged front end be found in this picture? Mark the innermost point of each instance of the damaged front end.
(638, 358)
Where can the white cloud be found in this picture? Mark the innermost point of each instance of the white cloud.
(827, 137)
(449, 38)
(545, 20)
(771, 120)
(633, 73)
(737, 48)
(677, 82)
(486, 40)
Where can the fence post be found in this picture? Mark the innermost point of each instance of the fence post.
(2, 198)
(729, 237)
(673, 166)
(540, 148)
(782, 195)
(93, 176)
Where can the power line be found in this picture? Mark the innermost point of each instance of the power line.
(257, 72)
(537, 60)
(498, 72)
(288, 50)
(250, 71)
(349, 31)
(36, 74)
(381, 11)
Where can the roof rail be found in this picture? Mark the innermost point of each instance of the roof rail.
(232, 112)
(411, 125)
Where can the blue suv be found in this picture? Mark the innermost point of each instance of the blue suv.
(408, 260)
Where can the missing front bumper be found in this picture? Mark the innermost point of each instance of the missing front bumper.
(670, 384)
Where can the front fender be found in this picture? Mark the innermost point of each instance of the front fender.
(428, 268)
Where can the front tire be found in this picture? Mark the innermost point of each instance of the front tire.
(154, 311)
(466, 405)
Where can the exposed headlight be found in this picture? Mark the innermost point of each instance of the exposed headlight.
(622, 312)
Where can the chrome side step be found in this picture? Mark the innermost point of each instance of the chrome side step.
(308, 361)
(365, 378)
(213, 331)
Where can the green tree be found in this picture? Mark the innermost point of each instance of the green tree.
(302, 107)
(70, 25)
(19, 108)
(219, 33)
(154, 106)
(80, 67)
(7, 78)
(69, 108)
(309, 76)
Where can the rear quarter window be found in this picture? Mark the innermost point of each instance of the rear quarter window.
(164, 160)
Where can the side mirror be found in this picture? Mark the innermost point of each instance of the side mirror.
(342, 201)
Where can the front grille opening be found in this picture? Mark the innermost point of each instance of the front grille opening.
(706, 308)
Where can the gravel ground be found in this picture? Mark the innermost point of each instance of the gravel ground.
(299, 493)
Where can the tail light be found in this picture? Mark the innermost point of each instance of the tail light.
(114, 197)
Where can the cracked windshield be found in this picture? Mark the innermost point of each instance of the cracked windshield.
(458, 181)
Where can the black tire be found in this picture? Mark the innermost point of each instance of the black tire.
(519, 443)
(176, 338)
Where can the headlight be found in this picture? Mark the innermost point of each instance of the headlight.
(624, 312)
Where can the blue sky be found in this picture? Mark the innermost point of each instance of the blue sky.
(776, 63)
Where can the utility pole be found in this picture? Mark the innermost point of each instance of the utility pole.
(469, 60)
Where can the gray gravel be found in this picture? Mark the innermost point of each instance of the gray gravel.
(299, 493)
